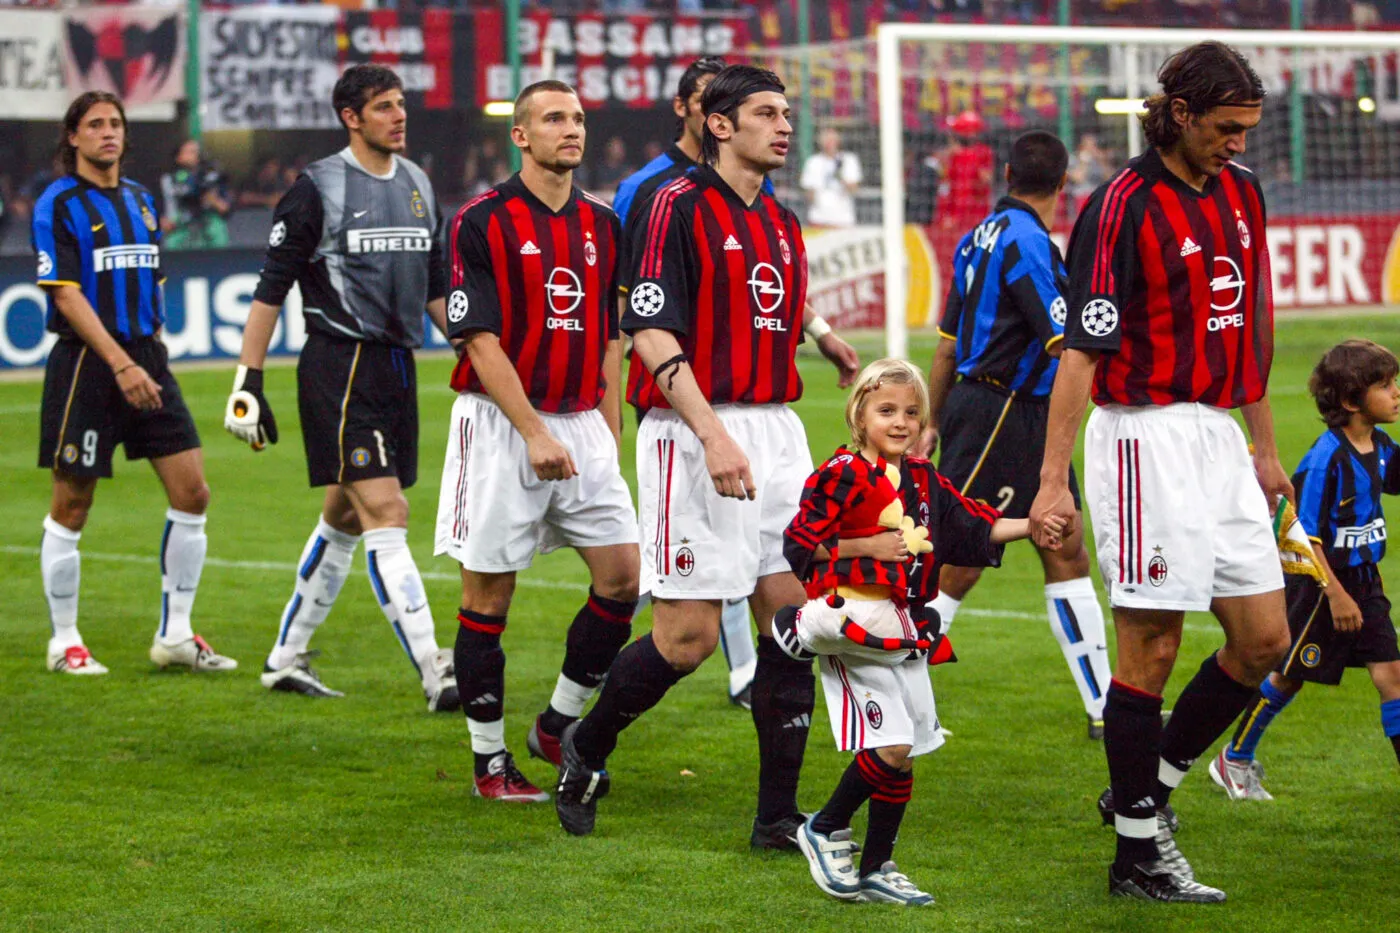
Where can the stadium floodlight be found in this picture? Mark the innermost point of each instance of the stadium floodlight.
(499, 108)
(1017, 77)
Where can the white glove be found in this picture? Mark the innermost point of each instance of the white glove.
(248, 416)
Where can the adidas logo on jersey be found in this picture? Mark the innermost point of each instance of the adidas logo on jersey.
(732, 243)
(1189, 247)
(529, 249)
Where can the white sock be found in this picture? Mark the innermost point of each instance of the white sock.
(736, 635)
(61, 566)
(570, 697)
(399, 589)
(947, 608)
(1077, 621)
(182, 551)
(488, 738)
(321, 572)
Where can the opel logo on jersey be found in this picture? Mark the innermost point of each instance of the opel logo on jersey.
(1227, 285)
(766, 286)
(389, 240)
(565, 293)
(134, 256)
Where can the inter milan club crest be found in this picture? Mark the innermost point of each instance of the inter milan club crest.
(1243, 228)
(70, 453)
(416, 205)
(360, 457)
(590, 252)
(685, 562)
(1157, 568)
(1311, 655)
(874, 714)
(148, 218)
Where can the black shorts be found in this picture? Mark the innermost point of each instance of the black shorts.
(1319, 653)
(85, 416)
(991, 444)
(359, 411)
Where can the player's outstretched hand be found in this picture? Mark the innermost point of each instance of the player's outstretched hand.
(138, 388)
(248, 416)
(729, 468)
(1273, 479)
(925, 444)
(1052, 511)
(549, 458)
(843, 356)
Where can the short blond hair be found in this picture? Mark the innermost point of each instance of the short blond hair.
(878, 374)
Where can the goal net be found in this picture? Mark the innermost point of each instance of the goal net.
(928, 113)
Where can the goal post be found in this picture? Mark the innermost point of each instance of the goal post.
(1327, 152)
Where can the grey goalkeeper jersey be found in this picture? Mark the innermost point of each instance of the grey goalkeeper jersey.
(364, 248)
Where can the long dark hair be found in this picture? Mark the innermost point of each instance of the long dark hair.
(690, 80)
(1204, 75)
(67, 153)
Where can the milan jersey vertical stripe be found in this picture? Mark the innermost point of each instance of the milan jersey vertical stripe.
(544, 283)
(730, 280)
(1172, 286)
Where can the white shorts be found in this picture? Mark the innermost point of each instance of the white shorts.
(494, 513)
(697, 544)
(1179, 517)
(872, 704)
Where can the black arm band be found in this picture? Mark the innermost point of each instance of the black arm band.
(671, 366)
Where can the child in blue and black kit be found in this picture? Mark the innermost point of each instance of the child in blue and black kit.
(1345, 623)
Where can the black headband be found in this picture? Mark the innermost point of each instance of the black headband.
(737, 96)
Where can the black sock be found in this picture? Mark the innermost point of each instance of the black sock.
(1206, 708)
(597, 634)
(481, 665)
(887, 807)
(481, 764)
(639, 678)
(1395, 743)
(861, 779)
(784, 692)
(1132, 730)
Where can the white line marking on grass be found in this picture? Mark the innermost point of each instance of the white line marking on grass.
(283, 567)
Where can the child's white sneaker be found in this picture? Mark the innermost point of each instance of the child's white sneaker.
(891, 886)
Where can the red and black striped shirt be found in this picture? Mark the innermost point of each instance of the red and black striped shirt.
(729, 279)
(1173, 286)
(832, 498)
(544, 283)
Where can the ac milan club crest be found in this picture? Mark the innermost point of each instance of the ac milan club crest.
(590, 252)
(874, 714)
(1157, 570)
(787, 253)
(1243, 229)
(685, 562)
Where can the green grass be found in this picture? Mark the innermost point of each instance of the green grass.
(148, 801)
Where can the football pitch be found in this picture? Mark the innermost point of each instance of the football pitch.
(152, 801)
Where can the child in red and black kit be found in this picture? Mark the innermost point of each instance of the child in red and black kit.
(870, 530)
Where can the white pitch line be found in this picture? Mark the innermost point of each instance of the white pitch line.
(283, 567)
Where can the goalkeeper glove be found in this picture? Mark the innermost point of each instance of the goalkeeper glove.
(248, 416)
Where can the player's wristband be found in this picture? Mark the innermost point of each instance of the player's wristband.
(817, 328)
(671, 366)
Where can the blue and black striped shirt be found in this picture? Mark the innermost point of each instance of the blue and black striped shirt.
(105, 241)
(1339, 496)
(1005, 305)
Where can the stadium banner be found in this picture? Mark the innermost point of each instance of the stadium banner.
(32, 84)
(135, 52)
(207, 295)
(846, 276)
(614, 61)
(423, 48)
(269, 67)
